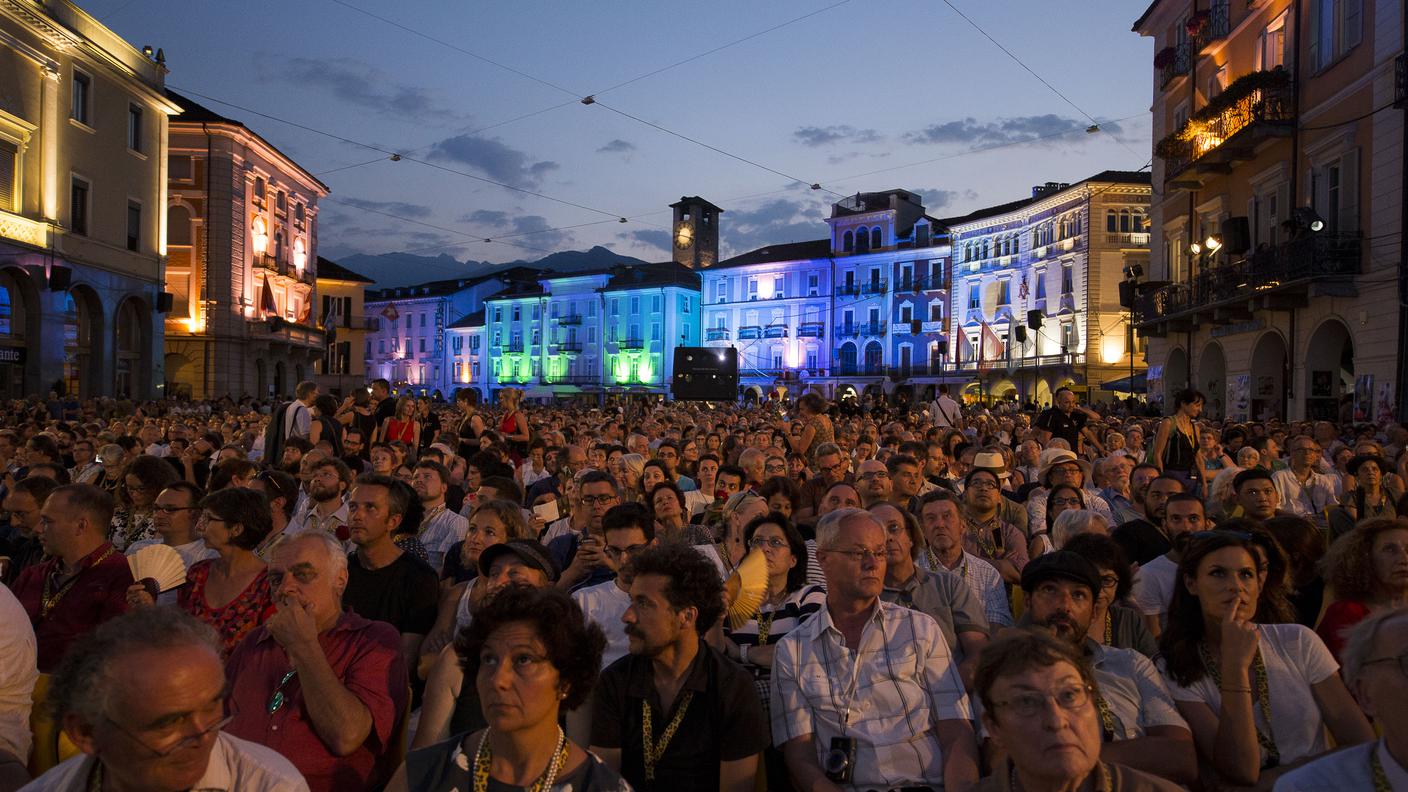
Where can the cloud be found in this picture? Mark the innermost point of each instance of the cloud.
(617, 146)
(836, 133)
(775, 222)
(359, 83)
(494, 159)
(531, 230)
(935, 199)
(1043, 129)
(486, 217)
(414, 211)
(649, 237)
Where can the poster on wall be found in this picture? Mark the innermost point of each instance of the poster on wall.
(1154, 388)
(1239, 396)
(1386, 411)
(1364, 397)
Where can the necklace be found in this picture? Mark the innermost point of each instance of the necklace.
(47, 601)
(95, 776)
(655, 750)
(1376, 769)
(1107, 717)
(1109, 630)
(1262, 689)
(765, 624)
(543, 783)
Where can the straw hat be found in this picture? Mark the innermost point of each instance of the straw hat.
(1052, 457)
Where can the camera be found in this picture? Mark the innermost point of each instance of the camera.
(840, 761)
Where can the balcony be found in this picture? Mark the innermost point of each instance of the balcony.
(811, 330)
(848, 290)
(848, 331)
(1400, 80)
(511, 348)
(1136, 239)
(570, 320)
(23, 230)
(266, 261)
(1216, 23)
(775, 331)
(1254, 108)
(570, 347)
(1278, 278)
(372, 323)
(716, 334)
(749, 332)
(631, 343)
(874, 287)
(1174, 62)
(873, 329)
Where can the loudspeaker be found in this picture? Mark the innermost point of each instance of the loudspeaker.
(1236, 235)
(1126, 294)
(704, 374)
(164, 301)
(1034, 319)
(60, 278)
(1021, 332)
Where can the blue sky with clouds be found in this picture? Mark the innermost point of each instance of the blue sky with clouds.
(861, 95)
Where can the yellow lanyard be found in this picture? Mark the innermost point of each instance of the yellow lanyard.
(1262, 686)
(655, 750)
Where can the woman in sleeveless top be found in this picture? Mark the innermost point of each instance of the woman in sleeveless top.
(514, 426)
(1176, 443)
(817, 430)
(403, 426)
(471, 425)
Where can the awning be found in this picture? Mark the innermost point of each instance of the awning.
(1139, 383)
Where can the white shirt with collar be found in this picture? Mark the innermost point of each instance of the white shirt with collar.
(1348, 769)
(1309, 500)
(986, 584)
(18, 674)
(308, 517)
(235, 766)
(438, 533)
(1134, 690)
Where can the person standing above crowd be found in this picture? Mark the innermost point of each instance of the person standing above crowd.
(1067, 421)
(1176, 442)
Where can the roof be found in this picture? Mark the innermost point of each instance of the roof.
(788, 251)
(194, 112)
(694, 199)
(331, 270)
(665, 273)
(517, 289)
(1115, 176)
(1139, 23)
(475, 319)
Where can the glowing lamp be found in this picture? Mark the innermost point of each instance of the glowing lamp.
(261, 235)
(300, 254)
(1213, 243)
(1195, 248)
(645, 369)
(1111, 349)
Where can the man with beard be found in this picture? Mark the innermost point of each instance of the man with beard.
(326, 510)
(1146, 539)
(1153, 587)
(873, 483)
(676, 714)
(353, 447)
(440, 528)
(1142, 727)
(23, 502)
(833, 467)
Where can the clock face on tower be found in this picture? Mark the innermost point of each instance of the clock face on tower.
(684, 237)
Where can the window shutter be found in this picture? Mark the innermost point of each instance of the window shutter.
(9, 163)
(1351, 24)
(1313, 34)
(1348, 221)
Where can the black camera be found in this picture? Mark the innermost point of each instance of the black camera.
(840, 761)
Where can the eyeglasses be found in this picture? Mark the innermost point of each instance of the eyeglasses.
(874, 474)
(593, 500)
(1401, 660)
(615, 553)
(278, 700)
(860, 555)
(774, 542)
(1030, 705)
(188, 740)
(1109, 581)
(981, 484)
(174, 509)
(1065, 502)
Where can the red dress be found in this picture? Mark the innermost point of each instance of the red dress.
(1338, 618)
(405, 431)
(239, 616)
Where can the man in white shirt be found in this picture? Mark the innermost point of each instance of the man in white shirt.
(174, 515)
(1374, 672)
(944, 412)
(325, 508)
(440, 528)
(1155, 581)
(941, 519)
(140, 726)
(1305, 491)
(875, 680)
(18, 673)
(86, 467)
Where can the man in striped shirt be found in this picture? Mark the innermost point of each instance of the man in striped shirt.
(866, 694)
(941, 518)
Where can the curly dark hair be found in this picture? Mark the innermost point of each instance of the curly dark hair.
(154, 472)
(574, 643)
(1349, 566)
(694, 580)
(797, 575)
(1104, 553)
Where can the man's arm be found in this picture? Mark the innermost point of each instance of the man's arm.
(738, 775)
(960, 752)
(1164, 751)
(340, 719)
(807, 775)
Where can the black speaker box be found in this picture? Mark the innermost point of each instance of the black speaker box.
(164, 301)
(60, 278)
(1127, 294)
(1034, 319)
(705, 374)
(1021, 331)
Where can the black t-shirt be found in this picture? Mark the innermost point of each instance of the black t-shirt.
(356, 464)
(404, 593)
(385, 409)
(1066, 427)
(1142, 540)
(724, 721)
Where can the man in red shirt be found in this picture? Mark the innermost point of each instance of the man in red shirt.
(84, 581)
(321, 686)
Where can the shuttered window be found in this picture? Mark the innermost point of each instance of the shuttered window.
(9, 164)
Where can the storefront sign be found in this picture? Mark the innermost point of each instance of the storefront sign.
(1239, 327)
(13, 355)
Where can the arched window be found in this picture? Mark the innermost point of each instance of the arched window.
(259, 188)
(987, 248)
(279, 246)
(178, 226)
(862, 241)
(876, 242)
(1075, 223)
(848, 242)
(1124, 221)
(6, 310)
(968, 252)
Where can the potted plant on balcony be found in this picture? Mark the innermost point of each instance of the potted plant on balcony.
(1164, 58)
(1197, 22)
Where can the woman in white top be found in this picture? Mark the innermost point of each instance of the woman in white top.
(1258, 697)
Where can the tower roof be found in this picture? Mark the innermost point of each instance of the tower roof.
(694, 200)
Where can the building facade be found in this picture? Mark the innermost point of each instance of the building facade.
(83, 131)
(341, 315)
(1277, 228)
(242, 224)
(1035, 303)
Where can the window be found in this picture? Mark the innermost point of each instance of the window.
(862, 241)
(9, 170)
(178, 226)
(811, 359)
(537, 311)
(380, 345)
(720, 286)
(975, 297)
(615, 306)
(906, 313)
(537, 336)
(1336, 27)
(259, 190)
(517, 313)
(936, 311)
(655, 331)
(82, 99)
(422, 320)
(1271, 45)
(408, 321)
(281, 201)
(591, 309)
(134, 128)
(498, 314)
(591, 335)
(1111, 220)
(422, 345)
(721, 321)
(875, 240)
(78, 206)
(1068, 336)
(813, 284)
(1217, 82)
(395, 343)
(686, 304)
(848, 242)
(778, 292)
(474, 343)
(134, 226)
(1041, 284)
(635, 305)
(1067, 280)
(752, 288)
(298, 215)
(1334, 190)
(1004, 292)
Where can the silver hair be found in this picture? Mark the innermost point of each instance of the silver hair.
(1360, 641)
(337, 554)
(84, 683)
(1072, 522)
(829, 526)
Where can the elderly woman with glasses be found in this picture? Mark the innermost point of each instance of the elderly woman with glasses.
(1367, 571)
(1258, 697)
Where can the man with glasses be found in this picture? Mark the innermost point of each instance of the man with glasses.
(628, 529)
(140, 726)
(175, 515)
(21, 545)
(866, 694)
(873, 483)
(84, 581)
(581, 557)
(987, 535)
(1139, 722)
(86, 467)
(832, 467)
(1304, 490)
(322, 686)
(1040, 713)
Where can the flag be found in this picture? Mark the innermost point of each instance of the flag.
(964, 347)
(304, 310)
(390, 312)
(266, 301)
(990, 348)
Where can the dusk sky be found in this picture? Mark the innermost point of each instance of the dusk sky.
(862, 95)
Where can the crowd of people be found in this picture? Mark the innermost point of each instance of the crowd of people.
(386, 592)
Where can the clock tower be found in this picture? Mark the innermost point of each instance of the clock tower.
(695, 232)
